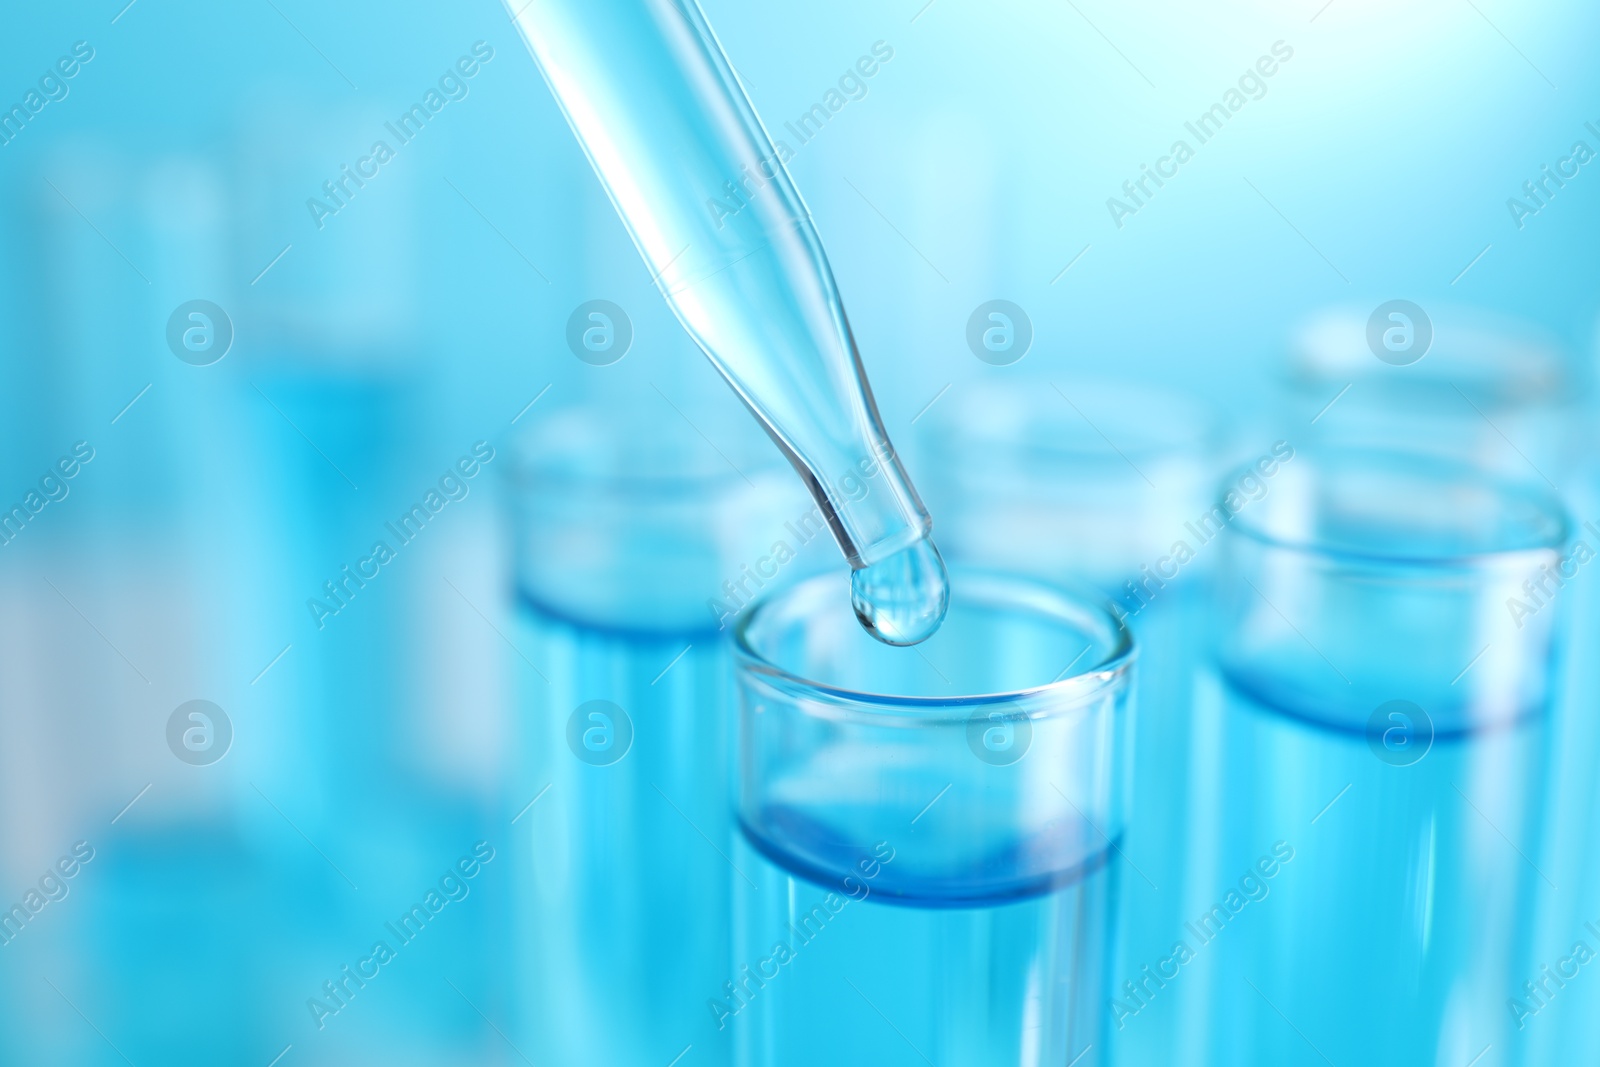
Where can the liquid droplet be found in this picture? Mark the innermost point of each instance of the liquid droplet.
(901, 599)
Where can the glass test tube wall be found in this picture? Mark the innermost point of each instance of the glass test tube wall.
(1564, 1017)
(923, 874)
(1452, 381)
(1109, 484)
(1458, 381)
(624, 826)
(1386, 732)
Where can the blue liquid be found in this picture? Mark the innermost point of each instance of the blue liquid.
(881, 969)
(622, 886)
(1401, 926)
(901, 599)
(1571, 1022)
(1171, 798)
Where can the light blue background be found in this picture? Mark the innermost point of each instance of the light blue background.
(429, 312)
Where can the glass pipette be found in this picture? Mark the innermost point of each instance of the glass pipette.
(704, 193)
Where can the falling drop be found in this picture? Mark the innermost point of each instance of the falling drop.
(901, 599)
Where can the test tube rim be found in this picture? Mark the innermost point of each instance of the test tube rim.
(1185, 430)
(1055, 699)
(1538, 371)
(547, 457)
(1415, 563)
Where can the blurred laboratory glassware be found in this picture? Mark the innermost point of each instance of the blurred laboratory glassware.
(322, 785)
(1507, 394)
(1461, 382)
(1386, 724)
(626, 547)
(1096, 481)
(919, 867)
(1564, 1026)
(129, 540)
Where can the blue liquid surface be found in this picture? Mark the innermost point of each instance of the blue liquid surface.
(850, 975)
(1015, 869)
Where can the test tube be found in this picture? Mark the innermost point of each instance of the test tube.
(1103, 482)
(1386, 706)
(703, 191)
(1446, 379)
(929, 843)
(622, 819)
(1508, 394)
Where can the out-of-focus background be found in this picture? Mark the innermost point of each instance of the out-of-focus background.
(365, 343)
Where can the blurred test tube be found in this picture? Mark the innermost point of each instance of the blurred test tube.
(1386, 742)
(634, 551)
(1506, 394)
(1102, 482)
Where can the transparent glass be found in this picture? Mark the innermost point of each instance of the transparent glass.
(1471, 384)
(1569, 1023)
(929, 839)
(1086, 481)
(1511, 396)
(1095, 481)
(622, 819)
(1385, 714)
(703, 191)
